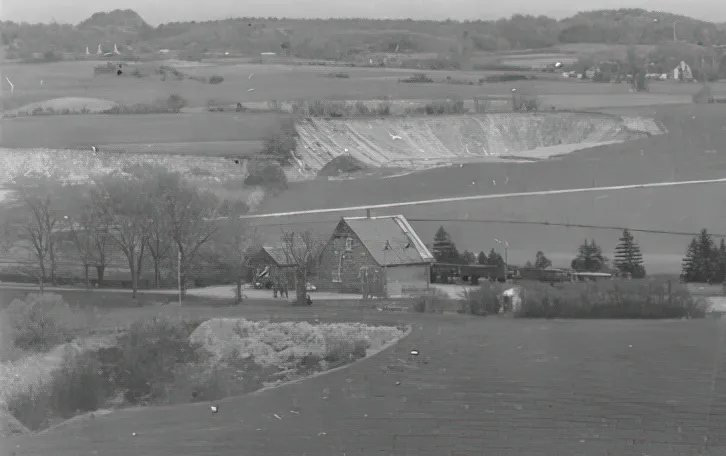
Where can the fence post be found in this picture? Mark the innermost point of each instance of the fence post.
(670, 293)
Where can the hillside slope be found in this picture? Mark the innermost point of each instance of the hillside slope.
(420, 142)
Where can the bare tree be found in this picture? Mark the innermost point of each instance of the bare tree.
(231, 249)
(38, 227)
(187, 211)
(124, 202)
(89, 233)
(303, 250)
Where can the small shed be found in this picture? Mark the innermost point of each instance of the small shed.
(273, 263)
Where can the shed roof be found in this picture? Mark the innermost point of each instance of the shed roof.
(390, 240)
(278, 255)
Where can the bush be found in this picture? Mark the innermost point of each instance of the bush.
(645, 298)
(267, 174)
(145, 360)
(280, 146)
(417, 78)
(339, 75)
(216, 79)
(75, 388)
(173, 104)
(484, 300)
(439, 108)
(507, 77)
(525, 103)
(43, 321)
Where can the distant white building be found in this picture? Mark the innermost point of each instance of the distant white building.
(683, 72)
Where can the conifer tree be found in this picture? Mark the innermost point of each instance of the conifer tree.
(628, 258)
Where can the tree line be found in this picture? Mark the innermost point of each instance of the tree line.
(320, 39)
(148, 217)
(627, 258)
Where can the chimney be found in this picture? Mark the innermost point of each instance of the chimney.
(368, 213)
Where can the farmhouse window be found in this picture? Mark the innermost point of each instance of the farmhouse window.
(338, 268)
(348, 244)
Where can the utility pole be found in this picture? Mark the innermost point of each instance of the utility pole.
(506, 260)
(178, 279)
(385, 268)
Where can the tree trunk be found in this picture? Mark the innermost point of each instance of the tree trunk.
(85, 276)
(238, 291)
(100, 270)
(157, 274)
(42, 277)
(140, 264)
(301, 292)
(51, 250)
(134, 278)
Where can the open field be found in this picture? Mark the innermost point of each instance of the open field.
(261, 83)
(83, 131)
(554, 387)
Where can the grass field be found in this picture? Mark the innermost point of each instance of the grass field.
(546, 387)
(82, 131)
(278, 82)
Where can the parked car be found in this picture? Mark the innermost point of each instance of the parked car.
(311, 287)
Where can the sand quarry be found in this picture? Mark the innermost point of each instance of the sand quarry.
(425, 142)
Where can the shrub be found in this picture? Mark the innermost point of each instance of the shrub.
(77, 387)
(417, 78)
(143, 363)
(173, 104)
(525, 103)
(267, 174)
(216, 79)
(507, 77)
(339, 75)
(644, 298)
(439, 108)
(280, 146)
(484, 300)
(43, 321)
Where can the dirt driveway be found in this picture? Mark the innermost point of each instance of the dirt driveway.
(480, 386)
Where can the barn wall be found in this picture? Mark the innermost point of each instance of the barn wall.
(409, 276)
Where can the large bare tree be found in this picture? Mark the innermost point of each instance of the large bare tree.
(124, 201)
(303, 250)
(188, 214)
(230, 250)
(39, 222)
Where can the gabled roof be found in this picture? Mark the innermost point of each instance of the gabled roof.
(278, 255)
(404, 245)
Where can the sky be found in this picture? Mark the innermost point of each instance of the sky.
(159, 11)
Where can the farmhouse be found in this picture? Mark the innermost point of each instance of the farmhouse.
(374, 255)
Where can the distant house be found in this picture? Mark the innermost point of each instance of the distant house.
(383, 253)
(683, 72)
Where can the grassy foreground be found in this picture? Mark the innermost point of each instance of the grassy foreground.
(160, 361)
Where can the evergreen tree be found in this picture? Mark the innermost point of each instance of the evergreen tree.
(444, 248)
(688, 265)
(528, 264)
(481, 258)
(721, 261)
(495, 259)
(706, 267)
(468, 258)
(628, 258)
(541, 261)
(589, 258)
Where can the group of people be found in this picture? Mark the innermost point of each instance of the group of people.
(280, 286)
